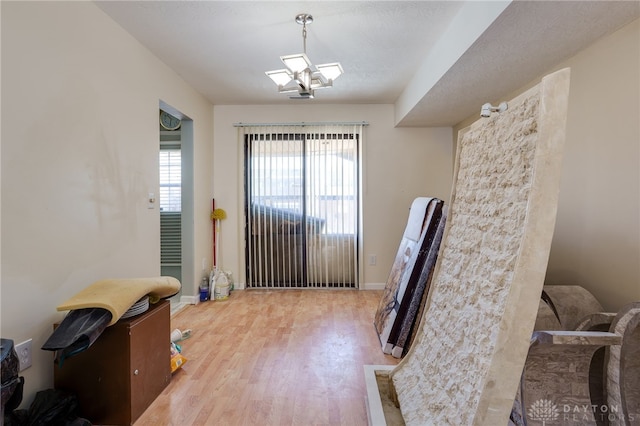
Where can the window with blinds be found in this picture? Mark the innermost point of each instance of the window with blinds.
(170, 205)
(170, 179)
(170, 238)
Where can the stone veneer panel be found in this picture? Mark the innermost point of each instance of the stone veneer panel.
(465, 365)
(623, 368)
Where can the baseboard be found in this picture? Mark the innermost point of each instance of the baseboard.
(373, 286)
(189, 300)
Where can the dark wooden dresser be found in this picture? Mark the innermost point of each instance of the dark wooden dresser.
(125, 369)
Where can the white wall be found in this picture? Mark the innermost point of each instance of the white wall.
(400, 164)
(597, 237)
(80, 143)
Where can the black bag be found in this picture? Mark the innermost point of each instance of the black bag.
(11, 384)
(50, 407)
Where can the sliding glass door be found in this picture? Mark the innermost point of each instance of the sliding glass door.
(301, 207)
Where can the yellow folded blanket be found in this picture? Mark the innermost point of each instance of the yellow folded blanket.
(118, 295)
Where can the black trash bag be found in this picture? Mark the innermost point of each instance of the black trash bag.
(17, 386)
(12, 384)
(50, 407)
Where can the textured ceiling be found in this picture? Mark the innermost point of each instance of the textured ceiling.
(223, 48)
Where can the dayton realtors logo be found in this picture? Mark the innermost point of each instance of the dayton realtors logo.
(543, 410)
(548, 413)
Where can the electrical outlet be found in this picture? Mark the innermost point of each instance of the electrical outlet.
(373, 259)
(24, 354)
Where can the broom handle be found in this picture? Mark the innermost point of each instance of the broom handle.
(214, 252)
(217, 226)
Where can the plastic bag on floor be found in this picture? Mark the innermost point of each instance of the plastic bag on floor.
(49, 408)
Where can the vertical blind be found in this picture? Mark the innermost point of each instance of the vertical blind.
(302, 186)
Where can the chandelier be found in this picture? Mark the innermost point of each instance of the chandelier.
(301, 75)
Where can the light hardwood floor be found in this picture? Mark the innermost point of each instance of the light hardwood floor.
(283, 357)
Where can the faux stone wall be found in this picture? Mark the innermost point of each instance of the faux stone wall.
(466, 362)
(623, 368)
